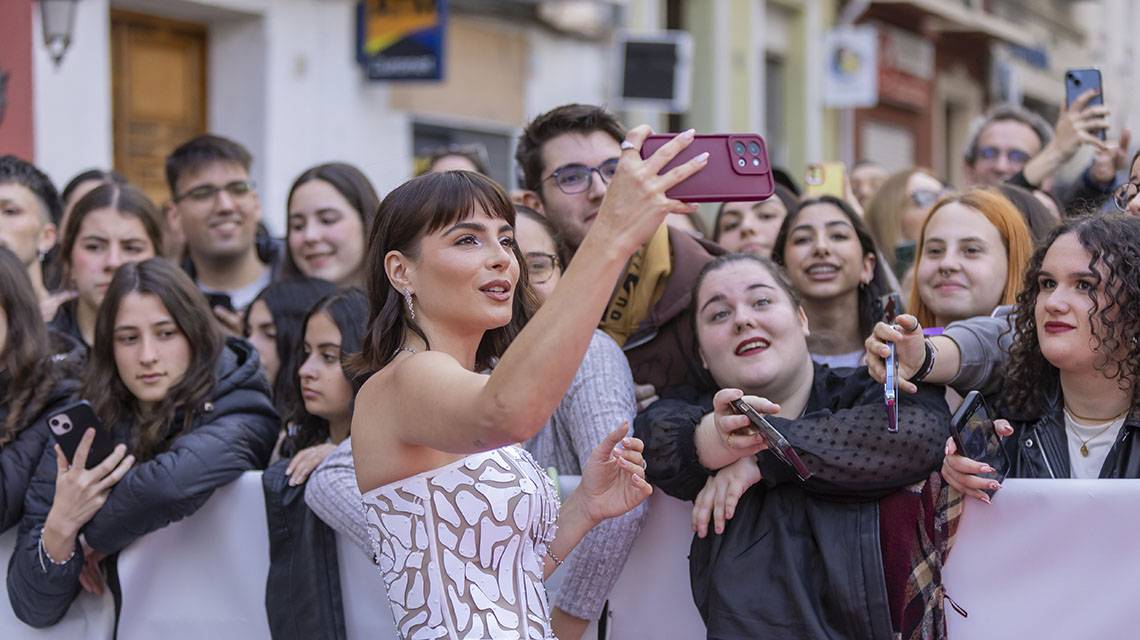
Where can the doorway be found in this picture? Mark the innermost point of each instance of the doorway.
(158, 71)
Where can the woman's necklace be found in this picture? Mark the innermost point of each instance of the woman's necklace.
(1085, 441)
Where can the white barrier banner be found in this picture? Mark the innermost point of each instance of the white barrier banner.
(1048, 559)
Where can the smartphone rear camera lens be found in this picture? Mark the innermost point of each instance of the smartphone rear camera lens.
(739, 147)
(740, 161)
(753, 148)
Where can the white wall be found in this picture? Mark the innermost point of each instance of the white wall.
(282, 80)
(72, 103)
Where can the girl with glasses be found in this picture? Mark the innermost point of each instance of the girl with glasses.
(896, 213)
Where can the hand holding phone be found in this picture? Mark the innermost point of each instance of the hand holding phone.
(737, 171)
(975, 437)
(1077, 83)
(892, 305)
(70, 423)
(777, 443)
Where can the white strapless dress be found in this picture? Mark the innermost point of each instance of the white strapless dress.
(462, 547)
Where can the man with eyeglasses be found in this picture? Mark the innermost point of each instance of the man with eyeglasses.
(567, 157)
(1014, 145)
(215, 206)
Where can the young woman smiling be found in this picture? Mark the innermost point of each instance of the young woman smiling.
(832, 262)
(785, 561)
(1070, 386)
(970, 258)
(112, 225)
(190, 407)
(331, 207)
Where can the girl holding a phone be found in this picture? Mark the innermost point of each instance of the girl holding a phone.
(1070, 385)
(34, 381)
(190, 410)
(784, 561)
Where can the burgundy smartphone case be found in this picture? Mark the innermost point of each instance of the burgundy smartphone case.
(738, 168)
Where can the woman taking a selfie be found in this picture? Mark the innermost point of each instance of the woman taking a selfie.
(793, 558)
(190, 408)
(32, 384)
(1070, 387)
(434, 438)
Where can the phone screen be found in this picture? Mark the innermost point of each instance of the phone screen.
(973, 431)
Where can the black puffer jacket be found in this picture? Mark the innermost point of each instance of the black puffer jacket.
(18, 458)
(802, 559)
(233, 432)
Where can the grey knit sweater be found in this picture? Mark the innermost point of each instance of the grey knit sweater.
(600, 398)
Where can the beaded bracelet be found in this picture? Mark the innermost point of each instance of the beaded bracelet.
(43, 553)
(550, 553)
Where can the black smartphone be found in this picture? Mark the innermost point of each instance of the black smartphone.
(1078, 81)
(222, 300)
(972, 428)
(70, 423)
(777, 443)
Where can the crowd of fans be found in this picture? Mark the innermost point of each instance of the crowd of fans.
(383, 361)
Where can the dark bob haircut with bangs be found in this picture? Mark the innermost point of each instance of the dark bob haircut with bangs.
(417, 208)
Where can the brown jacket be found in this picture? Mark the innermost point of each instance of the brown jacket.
(663, 350)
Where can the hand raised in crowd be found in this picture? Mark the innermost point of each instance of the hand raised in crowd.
(613, 481)
(305, 461)
(51, 304)
(230, 320)
(646, 394)
(736, 431)
(80, 493)
(910, 350)
(635, 204)
(1109, 161)
(721, 493)
(962, 472)
(1078, 124)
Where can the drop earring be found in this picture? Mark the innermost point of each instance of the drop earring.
(408, 300)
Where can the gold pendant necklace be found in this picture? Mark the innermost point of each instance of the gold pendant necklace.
(1085, 441)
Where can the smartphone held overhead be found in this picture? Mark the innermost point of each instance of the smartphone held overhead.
(1079, 81)
(737, 171)
(826, 179)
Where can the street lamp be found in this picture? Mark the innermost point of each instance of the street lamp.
(57, 17)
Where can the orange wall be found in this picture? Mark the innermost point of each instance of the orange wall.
(16, 44)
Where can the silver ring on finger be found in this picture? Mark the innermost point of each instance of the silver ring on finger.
(626, 145)
(644, 464)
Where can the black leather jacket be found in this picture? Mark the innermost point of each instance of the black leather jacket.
(1040, 448)
(802, 559)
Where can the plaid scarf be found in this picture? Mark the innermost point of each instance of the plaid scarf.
(917, 526)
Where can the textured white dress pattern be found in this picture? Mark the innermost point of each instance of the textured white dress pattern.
(461, 548)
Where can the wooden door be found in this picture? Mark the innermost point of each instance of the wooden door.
(159, 94)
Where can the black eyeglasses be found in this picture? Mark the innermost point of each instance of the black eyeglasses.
(540, 266)
(1016, 156)
(1124, 194)
(575, 178)
(207, 192)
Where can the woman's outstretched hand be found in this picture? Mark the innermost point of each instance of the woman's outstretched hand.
(613, 481)
(910, 350)
(635, 204)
